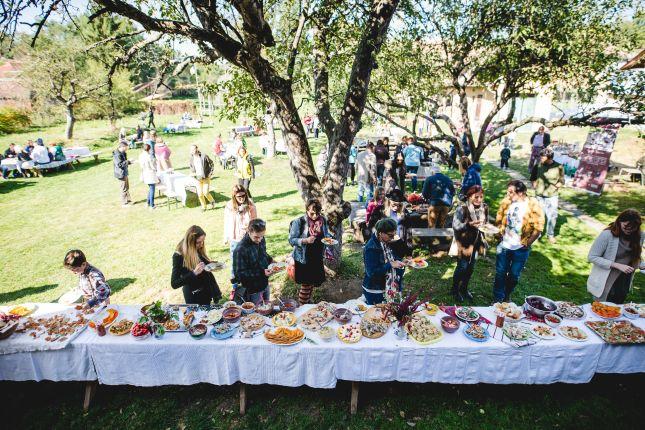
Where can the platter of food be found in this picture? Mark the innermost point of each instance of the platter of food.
(172, 325)
(572, 333)
(22, 310)
(140, 331)
(223, 331)
(357, 307)
(60, 327)
(316, 317)
(431, 308)
(121, 327)
(570, 311)
(349, 333)
(329, 241)
(214, 316)
(517, 332)
(188, 318)
(511, 310)
(476, 333)
(214, 266)
(276, 267)
(466, 313)
(489, 229)
(373, 328)
(106, 317)
(284, 319)
(617, 332)
(284, 336)
(253, 322)
(543, 331)
(631, 311)
(326, 333)
(422, 330)
(606, 310)
(416, 263)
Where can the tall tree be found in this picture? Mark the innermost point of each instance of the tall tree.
(509, 47)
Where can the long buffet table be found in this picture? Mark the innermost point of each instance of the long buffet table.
(177, 359)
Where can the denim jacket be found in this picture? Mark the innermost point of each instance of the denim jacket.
(376, 268)
(299, 230)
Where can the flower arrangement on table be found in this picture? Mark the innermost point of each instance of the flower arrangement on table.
(402, 310)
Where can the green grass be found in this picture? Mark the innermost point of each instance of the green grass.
(45, 217)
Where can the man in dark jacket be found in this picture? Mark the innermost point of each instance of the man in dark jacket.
(381, 264)
(250, 265)
(121, 164)
(382, 154)
(438, 190)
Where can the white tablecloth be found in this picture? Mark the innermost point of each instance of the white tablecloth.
(77, 152)
(179, 359)
(176, 183)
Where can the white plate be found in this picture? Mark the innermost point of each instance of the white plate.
(71, 297)
(214, 266)
(545, 337)
(331, 241)
(573, 338)
(352, 304)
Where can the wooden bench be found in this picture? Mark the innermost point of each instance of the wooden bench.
(431, 232)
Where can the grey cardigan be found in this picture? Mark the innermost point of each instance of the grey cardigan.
(601, 255)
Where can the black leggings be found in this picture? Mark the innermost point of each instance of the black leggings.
(463, 272)
(618, 292)
(352, 171)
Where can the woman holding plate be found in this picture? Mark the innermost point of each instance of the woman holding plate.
(469, 240)
(305, 235)
(382, 280)
(615, 255)
(188, 269)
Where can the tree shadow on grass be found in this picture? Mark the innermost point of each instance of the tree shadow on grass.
(9, 185)
(274, 196)
(24, 292)
(117, 284)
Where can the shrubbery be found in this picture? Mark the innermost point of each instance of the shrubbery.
(13, 120)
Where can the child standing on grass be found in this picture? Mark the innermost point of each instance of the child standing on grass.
(91, 281)
(505, 155)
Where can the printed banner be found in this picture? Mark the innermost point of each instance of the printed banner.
(594, 159)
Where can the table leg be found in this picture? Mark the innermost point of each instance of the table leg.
(242, 398)
(353, 406)
(90, 390)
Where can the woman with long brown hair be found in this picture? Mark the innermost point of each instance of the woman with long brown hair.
(188, 269)
(615, 255)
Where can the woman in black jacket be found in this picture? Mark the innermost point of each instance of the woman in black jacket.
(188, 263)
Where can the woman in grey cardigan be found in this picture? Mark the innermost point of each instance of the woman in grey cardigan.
(615, 255)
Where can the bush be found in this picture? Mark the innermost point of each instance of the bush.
(13, 120)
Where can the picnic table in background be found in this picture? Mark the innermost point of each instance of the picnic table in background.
(175, 184)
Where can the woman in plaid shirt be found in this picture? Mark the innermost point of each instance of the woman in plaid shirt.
(91, 281)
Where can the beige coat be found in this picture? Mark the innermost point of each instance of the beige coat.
(601, 255)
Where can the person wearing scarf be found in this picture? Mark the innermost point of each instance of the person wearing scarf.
(305, 235)
(469, 216)
(381, 281)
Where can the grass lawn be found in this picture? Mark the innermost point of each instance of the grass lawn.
(43, 218)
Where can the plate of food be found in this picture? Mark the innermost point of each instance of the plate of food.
(252, 323)
(617, 332)
(277, 267)
(373, 328)
(214, 316)
(349, 333)
(329, 241)
(517, 332)
(476, 333)
(466, 313)
(416, 262)
(188, 318)
(140, 331)
(121, 327)
(511, 310)
(223, 331)
(422, 330)
(315, 318)
(631, 311)
(214, 266)
(105, 317)
(431, 308)
(357, 307)
(489, 229)
(572, 333)
(606, 310)
(284, 336)
(543, 331)
(23, 310)
(284, 319)
(570, 311)
(172, 325)
(326, 333)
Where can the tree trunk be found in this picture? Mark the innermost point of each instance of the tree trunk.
(268, 123)
(71, 120)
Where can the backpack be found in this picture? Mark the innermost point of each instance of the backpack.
(208, 166)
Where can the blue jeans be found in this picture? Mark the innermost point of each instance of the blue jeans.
(508, 267)
(264, 294)
(362, 187)
(5, 171)
(231, 249)
(414, 170)
(151, 195)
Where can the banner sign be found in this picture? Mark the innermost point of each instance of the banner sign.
(594, 159)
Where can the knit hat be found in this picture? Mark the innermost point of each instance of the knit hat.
(474, 189)
(385, 225)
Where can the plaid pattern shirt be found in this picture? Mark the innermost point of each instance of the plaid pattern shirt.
(249, 261)
(93, 286)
